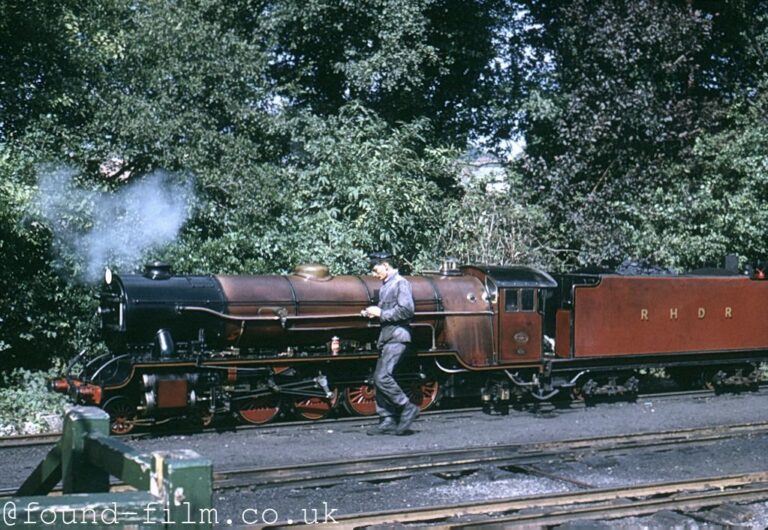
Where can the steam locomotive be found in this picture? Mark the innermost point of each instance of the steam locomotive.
(258, 346)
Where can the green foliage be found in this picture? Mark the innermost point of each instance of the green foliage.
(317, 131)
(180, 85)
(33, 78)
(356, 185)
(42, 314)
(718, 205)
(404, 59)
(351, 185)
(618, 105)
(493, 223)
(612, 125)
(162, 84)
(26, 405)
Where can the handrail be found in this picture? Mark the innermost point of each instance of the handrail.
(330, 316)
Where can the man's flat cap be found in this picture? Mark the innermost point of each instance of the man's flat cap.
(379, 257)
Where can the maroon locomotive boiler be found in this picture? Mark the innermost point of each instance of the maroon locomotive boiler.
(255, 346)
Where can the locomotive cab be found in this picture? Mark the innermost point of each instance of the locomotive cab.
(517, 295)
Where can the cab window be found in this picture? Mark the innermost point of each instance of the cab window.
(511, 300)
(527, 299)
(519, 300)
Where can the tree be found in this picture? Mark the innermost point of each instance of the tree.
(615, 118)
(351, 185)
(404, 59)
(36, 67)
(717, 207)
(42, 314)
(493, 222)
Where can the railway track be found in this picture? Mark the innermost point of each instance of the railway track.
(51, 438)
(515, 457)
(544, 510)
(29, 440)
(521, 458)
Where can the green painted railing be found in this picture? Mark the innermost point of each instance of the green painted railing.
(170, 490)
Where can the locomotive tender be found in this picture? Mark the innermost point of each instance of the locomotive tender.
(253, 346)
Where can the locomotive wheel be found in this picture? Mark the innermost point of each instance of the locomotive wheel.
(260, 410)
(122, 414)
(424, 394)
(360, 400)
(315, 408)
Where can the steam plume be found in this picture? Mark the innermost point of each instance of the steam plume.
(93, 229)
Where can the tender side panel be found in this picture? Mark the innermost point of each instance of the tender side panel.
(563, 333)
(644, 315)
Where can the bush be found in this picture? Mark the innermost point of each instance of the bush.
(493, 223)
(44, 314)
(25, 402)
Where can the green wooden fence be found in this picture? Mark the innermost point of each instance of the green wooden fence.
(169, 490)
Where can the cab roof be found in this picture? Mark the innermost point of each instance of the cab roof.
(515, 276)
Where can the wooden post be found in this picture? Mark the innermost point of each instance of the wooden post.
(78, 473)
(185, 481)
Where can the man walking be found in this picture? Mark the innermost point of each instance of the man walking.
(394, 311)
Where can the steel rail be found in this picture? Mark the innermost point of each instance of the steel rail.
(9, 442)
(518, 457)
(50, 438)
(605, 503)
(26, 440)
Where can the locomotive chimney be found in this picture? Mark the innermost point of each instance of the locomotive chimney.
(157, 270)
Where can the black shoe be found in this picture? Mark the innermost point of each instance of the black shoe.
(406, 419)
(387, 426)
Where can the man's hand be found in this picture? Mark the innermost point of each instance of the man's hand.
(373, 311)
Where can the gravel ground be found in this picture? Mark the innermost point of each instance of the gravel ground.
(274, 446)
(635, 468)
(340, 441)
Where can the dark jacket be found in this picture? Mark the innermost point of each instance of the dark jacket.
(397, 307)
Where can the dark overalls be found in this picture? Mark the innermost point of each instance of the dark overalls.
(397, 307)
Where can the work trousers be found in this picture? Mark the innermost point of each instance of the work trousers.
(390, 398)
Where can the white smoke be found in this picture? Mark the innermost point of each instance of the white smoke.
(98, 228)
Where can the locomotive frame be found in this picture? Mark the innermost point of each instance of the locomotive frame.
(254, 346)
